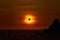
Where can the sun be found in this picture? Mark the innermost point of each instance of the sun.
(29, 19)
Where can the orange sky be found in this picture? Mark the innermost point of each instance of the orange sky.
(12, 13)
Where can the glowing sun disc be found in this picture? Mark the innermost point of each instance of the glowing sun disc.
(29, 19)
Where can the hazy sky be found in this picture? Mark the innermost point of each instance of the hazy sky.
(13, 11)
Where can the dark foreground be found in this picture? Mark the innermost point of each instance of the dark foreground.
(27, 35)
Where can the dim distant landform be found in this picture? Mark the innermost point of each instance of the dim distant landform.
(52, 33)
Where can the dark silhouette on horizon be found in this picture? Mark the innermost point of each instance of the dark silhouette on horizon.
(55, 26)
(52, 33)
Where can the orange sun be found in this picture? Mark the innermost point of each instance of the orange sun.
(29, 19)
